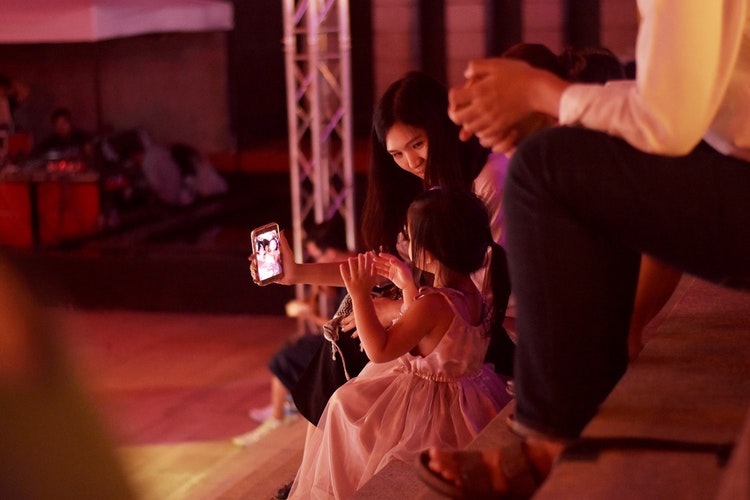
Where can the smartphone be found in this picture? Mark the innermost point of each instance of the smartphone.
(265, 241)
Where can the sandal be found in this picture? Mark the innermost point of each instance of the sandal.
(283, 492)
(476, 480)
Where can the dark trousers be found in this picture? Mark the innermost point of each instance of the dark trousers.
(581, 206)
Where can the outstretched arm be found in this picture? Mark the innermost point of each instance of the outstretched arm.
(318, 273)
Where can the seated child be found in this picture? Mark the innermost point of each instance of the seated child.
(427, 383)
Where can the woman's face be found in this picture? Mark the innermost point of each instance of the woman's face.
(408, 146)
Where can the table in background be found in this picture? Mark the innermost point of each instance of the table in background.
(39, 207)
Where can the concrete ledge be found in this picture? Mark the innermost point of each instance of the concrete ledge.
(691, 382)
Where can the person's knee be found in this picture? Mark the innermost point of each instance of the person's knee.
(558, 146)
(560, 162)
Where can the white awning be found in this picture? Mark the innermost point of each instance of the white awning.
(53, 21)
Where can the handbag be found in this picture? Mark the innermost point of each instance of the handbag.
(338, 360)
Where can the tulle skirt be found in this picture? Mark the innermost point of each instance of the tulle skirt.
(390, 413)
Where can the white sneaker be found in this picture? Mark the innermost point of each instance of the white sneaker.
(265, 428)
(260, 415)
(290, 409)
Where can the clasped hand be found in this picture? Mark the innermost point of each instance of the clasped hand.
(498, 103)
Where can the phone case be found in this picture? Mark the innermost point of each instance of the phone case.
(265, 241)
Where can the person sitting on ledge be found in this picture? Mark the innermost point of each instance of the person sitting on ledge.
(636, 167)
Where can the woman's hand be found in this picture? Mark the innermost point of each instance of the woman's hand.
(287, 263)
(391, 267)
(253, 267)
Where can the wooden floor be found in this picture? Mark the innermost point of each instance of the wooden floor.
(175, 388)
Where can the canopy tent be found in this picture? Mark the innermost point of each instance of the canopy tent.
(96, 57)
(56, 21)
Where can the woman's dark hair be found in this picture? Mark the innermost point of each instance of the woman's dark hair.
(454, 227)
(420, 101)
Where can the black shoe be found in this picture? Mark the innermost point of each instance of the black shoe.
(283, 492)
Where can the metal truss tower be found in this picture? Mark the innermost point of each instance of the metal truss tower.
(317, 48)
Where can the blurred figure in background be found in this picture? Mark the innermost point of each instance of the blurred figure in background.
(66, 142)
(52, 443)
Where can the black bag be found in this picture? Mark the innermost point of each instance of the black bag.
(326, 373)
(340, 358)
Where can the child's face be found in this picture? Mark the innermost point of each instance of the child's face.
(408, 146)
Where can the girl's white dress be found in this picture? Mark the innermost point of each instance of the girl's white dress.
(396, 409)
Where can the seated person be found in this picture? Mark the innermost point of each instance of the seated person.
(66, 141)
(178, 175)
(636, 167)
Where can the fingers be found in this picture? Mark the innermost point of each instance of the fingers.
(253, 267)
(506, 145)
(500, 141)
(458, 98)
(345, 274)
(347, 323)
(491, 103)
(358, 270)
(474, 111)
(365, 264)
(386, 265)
(478, 68)
(464, 135)
(284, 244)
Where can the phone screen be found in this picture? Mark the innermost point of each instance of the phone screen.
(267, 253)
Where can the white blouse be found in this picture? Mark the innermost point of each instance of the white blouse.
(692, 83)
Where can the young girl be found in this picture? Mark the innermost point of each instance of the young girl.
(427, 383)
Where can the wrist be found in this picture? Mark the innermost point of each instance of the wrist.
(545, 92)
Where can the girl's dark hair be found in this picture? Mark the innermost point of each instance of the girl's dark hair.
(420, 101)
(454, 227)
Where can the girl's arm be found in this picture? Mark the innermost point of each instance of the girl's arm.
(389, 266)
(427, 318)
